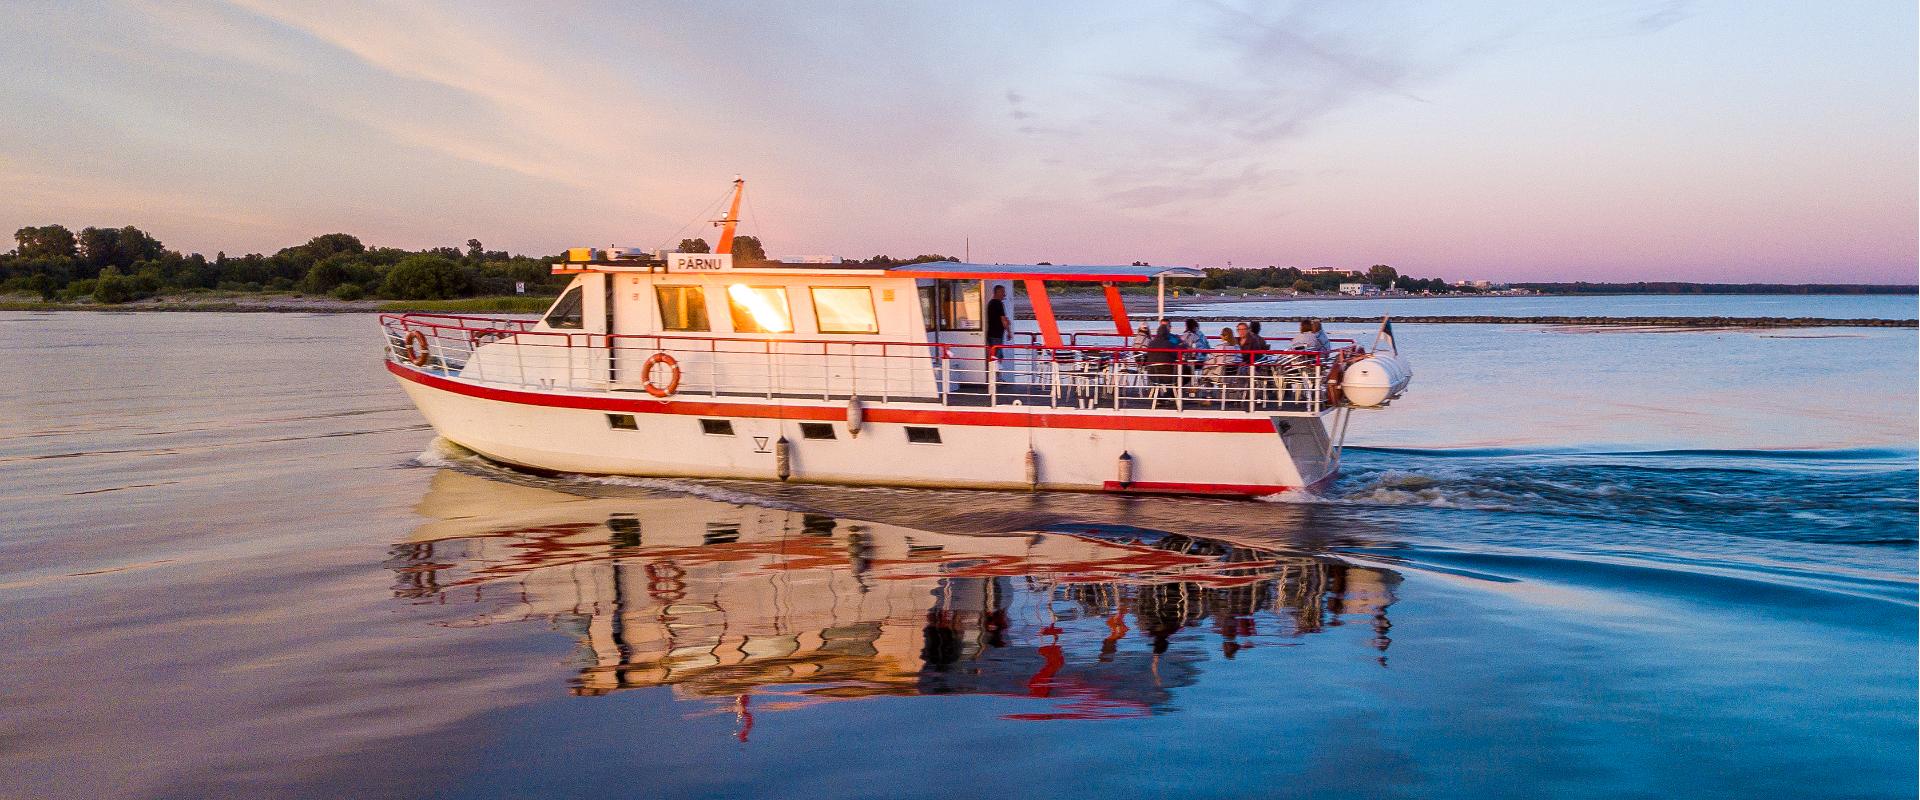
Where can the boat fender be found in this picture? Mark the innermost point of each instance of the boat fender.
(1033, 469)
(783, 458)
(856, 416)
(1126, 468)
(417, 351)
(673, 375)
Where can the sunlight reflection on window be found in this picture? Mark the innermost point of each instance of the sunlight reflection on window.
(844, 309)
(759, 309)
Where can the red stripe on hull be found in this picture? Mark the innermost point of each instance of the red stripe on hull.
(1157, 487)
(1004, 419)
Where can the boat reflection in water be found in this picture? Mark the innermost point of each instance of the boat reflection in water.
(761, 609)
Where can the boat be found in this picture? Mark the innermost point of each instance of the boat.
(701, 365)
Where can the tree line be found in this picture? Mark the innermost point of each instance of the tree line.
(1380, 275)
(117, 265)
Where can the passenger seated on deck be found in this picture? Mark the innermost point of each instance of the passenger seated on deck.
(1162, 358)
(1220, 363)
(1250, 342)
(1326, 344)
(1192, 361)
(1252, 348)
(1307, 341)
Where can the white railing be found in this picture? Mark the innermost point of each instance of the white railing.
(510, 353)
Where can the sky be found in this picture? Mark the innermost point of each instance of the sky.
(1525, 140)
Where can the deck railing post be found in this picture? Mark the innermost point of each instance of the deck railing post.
(993, 377)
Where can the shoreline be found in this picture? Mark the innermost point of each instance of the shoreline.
(1074, 308)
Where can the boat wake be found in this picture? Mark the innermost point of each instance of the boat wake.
(1860, 497)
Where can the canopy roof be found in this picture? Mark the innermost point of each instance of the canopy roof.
(1043, 272)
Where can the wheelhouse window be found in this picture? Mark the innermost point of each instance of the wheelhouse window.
(759, 309)
(951, 305)
(844, 309)
(566, 313)
(682, 308)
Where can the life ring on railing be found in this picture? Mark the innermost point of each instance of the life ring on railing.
(646, 371)
(417, 353)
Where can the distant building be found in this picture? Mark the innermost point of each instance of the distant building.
(1327, 271)
(1359, 288)
(808, 260)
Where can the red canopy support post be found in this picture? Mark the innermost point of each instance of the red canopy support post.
(1043, 313)
(1118, 308)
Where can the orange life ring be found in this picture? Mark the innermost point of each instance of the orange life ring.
(418, 354)
(646, 370)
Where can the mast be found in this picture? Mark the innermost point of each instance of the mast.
(732, 219)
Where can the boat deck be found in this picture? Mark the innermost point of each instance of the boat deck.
(510, 354)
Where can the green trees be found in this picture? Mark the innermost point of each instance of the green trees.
(747, 248)
(45, 242)
(424, 277)
(112, 287)
(1382, 275)
(116, 247)
(115, 265)
(694, 246)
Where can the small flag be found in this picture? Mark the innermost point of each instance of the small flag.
(1385, 337)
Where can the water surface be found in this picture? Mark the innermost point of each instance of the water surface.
(1576, 563)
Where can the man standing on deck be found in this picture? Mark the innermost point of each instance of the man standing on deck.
(998, 324)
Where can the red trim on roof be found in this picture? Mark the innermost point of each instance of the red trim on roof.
(1002, 419)
(1085, 277)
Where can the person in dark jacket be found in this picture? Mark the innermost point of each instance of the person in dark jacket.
(1162, 360)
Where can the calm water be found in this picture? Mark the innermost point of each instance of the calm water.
(236, 562)
(1882, 306)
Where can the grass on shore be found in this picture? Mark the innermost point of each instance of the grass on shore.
(511, 304)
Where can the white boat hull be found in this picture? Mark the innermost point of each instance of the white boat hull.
(1081, 450)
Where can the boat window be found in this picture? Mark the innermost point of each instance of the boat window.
(721, 533)
(816, 430)
(682, 308)
(759, 309)
(951, 305)
(919, 435)
(622, 422)
(844, 309)
(566, 313)
(716, 427)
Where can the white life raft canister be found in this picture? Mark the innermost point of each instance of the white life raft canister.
(1374, 380)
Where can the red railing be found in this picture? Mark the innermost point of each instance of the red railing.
(509, 351)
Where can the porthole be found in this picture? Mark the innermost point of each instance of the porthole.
(923, 435)
(622, 422)
(816, 430)
(716, 427)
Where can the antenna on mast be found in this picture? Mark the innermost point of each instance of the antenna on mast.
(732, 220)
